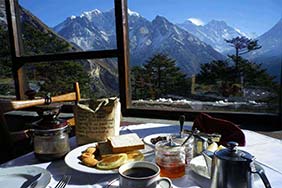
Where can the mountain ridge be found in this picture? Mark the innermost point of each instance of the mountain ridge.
(213, 33)
(162, 36)
(146, 39)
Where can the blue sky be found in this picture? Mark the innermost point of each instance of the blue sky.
(252, 16)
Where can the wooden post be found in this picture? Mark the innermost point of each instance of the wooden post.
(193, 83)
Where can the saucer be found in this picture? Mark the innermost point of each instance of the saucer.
(115, 184)
(17, 176)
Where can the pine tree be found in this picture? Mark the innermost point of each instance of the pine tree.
(242, 46)
(230, 75)
(6, 86)
(5, 58)
(158, 78)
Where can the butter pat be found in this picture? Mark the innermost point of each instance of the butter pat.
(126, 142)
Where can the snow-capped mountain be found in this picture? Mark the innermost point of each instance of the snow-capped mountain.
(190, 45)
(91, 30)
(213, 33)
(269, 55)
(95, 30)
(162, 36)
(271, 41)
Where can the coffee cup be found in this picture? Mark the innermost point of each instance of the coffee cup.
(140, 174)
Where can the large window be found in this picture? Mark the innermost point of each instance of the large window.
(78, 26)
(55, 44)
(166, 58)
(206, 56)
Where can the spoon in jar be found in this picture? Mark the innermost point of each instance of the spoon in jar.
(181, 122)
(195, 131)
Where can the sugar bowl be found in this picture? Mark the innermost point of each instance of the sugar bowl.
(50, 134)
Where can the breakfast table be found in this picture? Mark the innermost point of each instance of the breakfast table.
(267, 150)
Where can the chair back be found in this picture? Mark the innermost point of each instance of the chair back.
(9, 105)
(17, 143)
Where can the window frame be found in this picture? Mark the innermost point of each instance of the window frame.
(248, 120)
(18, 60)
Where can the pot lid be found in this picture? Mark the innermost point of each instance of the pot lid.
(49, 117)
(231, 153)
(48, 109)
(49, 123)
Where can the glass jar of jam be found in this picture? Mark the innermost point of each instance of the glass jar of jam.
(170, 158)
(188, 146)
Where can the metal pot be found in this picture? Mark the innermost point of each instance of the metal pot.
(50, 134)
(51, 144)
(233, 168)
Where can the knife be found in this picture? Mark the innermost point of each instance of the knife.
(31, 182)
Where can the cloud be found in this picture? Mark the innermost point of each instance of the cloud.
(196, 21)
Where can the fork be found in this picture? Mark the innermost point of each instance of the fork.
(63, 182)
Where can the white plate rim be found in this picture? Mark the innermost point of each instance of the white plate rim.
(72, 161)
(147, 139)
(110, 184)
(43, 181)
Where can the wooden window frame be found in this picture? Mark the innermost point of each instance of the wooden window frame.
(248, 120)
(18, 59)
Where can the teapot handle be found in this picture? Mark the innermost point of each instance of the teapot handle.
(256, 169)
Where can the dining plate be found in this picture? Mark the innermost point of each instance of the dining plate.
(115, 184)
(147, 139)
(72, 160)
(17, 176)
(198, 165)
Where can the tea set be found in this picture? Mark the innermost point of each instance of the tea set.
(227, 168)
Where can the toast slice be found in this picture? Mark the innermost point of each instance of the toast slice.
(126, 143)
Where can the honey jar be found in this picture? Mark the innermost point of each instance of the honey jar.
(170, 158)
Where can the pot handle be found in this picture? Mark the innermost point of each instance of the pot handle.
(21, 135)
(256, 169)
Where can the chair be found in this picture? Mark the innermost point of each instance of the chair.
(7, 138)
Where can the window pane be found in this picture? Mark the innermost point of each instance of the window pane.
(6, 78)
(206, 55)
(94, 77)
(67, 26)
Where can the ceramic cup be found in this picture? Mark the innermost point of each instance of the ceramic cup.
(140, 174)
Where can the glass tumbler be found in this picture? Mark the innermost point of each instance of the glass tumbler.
(188, 146)
(200, 144)
(170, 158)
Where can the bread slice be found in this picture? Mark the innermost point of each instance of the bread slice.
(126, 142)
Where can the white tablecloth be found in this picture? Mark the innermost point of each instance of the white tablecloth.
(267, 150)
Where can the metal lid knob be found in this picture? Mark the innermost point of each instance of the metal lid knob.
(232, 146)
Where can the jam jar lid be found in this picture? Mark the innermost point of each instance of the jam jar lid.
(168, 146)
